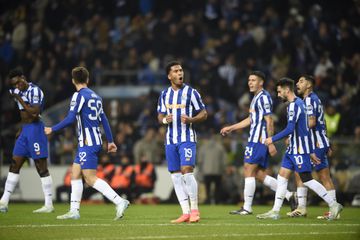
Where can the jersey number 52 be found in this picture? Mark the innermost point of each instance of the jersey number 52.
(96, 106)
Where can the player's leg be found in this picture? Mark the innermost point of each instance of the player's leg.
(89, 172)
(323, 173)
(37, 145)
(271, 182)
(301, 190)
(173, 160)
(46, 183)
(76, 193)
(11, 181)
(282, 182)
(306, 177)
(252, 157)
(187, 153)
(325, 179)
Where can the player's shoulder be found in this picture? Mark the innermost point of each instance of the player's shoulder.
(34, 87)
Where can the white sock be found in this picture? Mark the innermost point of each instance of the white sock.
(271, 182)
(302, 196)
(191, 187)
(249, 191)
(280, 192)
(107, 191)
(46, 183)
(332, 194)
(76, 193)
(180, 193)
(320, 190)
(10, 184)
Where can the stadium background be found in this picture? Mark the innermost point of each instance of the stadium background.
(125, 45)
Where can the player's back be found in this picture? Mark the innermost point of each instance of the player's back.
(315, 108)
(88, 117)
(299, 139)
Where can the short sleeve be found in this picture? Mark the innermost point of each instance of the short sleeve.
(293, 113)
(77, 102)
(311, 106)
(161, 108)
(197, 101)
(266, 104)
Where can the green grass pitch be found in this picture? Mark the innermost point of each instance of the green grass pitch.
(153, 222)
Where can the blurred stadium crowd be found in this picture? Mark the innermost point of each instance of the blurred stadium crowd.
(218, 42)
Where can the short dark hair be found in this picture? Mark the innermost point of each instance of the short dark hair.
(309, 78)
(258, 74)
(16, 72)
(286, 82)
(80, 74)
(170, 64)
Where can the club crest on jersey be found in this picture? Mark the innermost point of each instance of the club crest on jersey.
(291, 114)
(309, 108)
(73, 103)
(267, 106)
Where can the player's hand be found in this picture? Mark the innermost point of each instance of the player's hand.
(185, 119)
(169, 118)
(272, 150)
(14, 92)
(287, 141)
(48, 130)
(112, 147)
(329, 152)
(314, 159)
(225, 131)
(268, 141)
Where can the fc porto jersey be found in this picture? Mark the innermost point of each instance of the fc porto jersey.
(261, 105)
(87, 106)
(33, 96)
(299, 142)
(182, 101)
(314, 108)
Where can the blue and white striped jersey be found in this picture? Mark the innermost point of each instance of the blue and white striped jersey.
(314, 108)
(299, 142)
(183, 101)
(87, 106)
(261, 105)
(33, 96)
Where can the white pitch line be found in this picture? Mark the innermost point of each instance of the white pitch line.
(124, 224)
(231, 235)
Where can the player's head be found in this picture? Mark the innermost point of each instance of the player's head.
(80, 75)
(175, 73)
(305, 84)
(17, 79)
(285, 87)
(256, 81)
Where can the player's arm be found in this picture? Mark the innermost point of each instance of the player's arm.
(75, 107)
(311, 108)
(201, 116)
(68, 120)
(270, 132)
(165, 119)
(199, 106)
(33, 110)
(242, 124)
(312, 121)
(105, 123)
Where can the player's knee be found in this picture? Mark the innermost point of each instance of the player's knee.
(14, 167)
(305, 176)
(44, 173)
